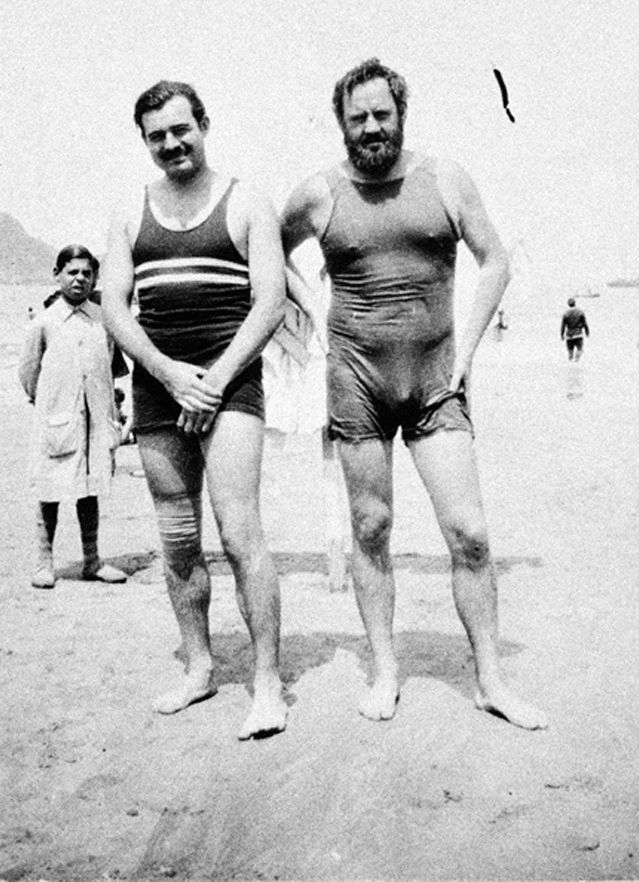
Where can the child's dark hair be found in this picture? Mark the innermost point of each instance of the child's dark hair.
(71, 252)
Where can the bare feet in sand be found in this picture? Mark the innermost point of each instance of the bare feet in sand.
(195, 686)
(501, 702)
(379, 702)
(268, 712)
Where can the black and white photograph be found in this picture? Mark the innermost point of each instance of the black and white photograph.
(319, 358)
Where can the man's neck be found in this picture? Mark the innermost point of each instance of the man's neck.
(181, 203)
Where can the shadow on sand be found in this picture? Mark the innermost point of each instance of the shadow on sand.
(288, 563)
(216, 823)
(130, 563)
(420, 653)
(429, 654)
(269, 813)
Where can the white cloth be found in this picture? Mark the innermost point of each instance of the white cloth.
(65, 369)
(294, 376)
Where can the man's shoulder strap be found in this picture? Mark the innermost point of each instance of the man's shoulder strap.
(132, 212)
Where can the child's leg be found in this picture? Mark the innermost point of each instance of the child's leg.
(46, 522)
(88, 517)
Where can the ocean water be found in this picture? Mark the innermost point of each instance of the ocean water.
(530, 406)
(14, 303)
(611, 355)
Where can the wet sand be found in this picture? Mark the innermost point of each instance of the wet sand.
(93, 786)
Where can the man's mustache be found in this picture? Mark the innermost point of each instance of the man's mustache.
(172, 154)
(365, 140)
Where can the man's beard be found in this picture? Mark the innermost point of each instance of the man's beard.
(379, 161)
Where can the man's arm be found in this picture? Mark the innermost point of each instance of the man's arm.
(256, 216)
(305, 216)
(481, 238)
(183, 381)
(266, 273)
(308, 300)
(564, 326)
(306, 213)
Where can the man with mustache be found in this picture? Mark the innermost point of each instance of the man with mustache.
(205, 256)
(388, 222)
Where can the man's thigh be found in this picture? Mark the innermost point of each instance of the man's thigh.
(172, 462)
(447, 466)
(232, 453)
(368, 473)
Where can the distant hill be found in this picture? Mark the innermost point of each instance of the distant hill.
(23, 259)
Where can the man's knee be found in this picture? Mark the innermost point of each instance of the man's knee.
(372, 522)
(179, 524)
(240, 532)
(468, 543)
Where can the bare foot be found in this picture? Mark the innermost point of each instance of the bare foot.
(380, 701)
(268, 712)
(196, 685)
(501, 702)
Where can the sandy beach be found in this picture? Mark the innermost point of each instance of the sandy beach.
(93, 786)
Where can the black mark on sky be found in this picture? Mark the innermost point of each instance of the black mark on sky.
(504, 93)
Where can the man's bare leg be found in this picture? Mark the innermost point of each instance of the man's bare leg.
(173, 465)
(447, 466)
(233, 454)
(368, 472)
(337, 580)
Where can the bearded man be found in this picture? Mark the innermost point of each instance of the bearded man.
(388, 222)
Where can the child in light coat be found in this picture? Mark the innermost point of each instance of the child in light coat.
(65, 370)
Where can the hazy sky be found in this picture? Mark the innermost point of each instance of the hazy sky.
(562, 177)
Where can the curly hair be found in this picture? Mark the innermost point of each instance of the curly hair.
(157, 96)
(371, 69)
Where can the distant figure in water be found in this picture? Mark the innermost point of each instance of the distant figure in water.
(573, 326)
(500, 324)
(31, 313)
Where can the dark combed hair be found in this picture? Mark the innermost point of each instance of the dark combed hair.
(371, 69)
(157, 96)
(71, 252)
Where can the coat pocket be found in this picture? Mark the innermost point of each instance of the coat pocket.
(62, 434)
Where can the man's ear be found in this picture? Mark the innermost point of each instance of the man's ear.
(205, 125)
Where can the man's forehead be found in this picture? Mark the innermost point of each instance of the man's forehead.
(373, 92)
(176, 110)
